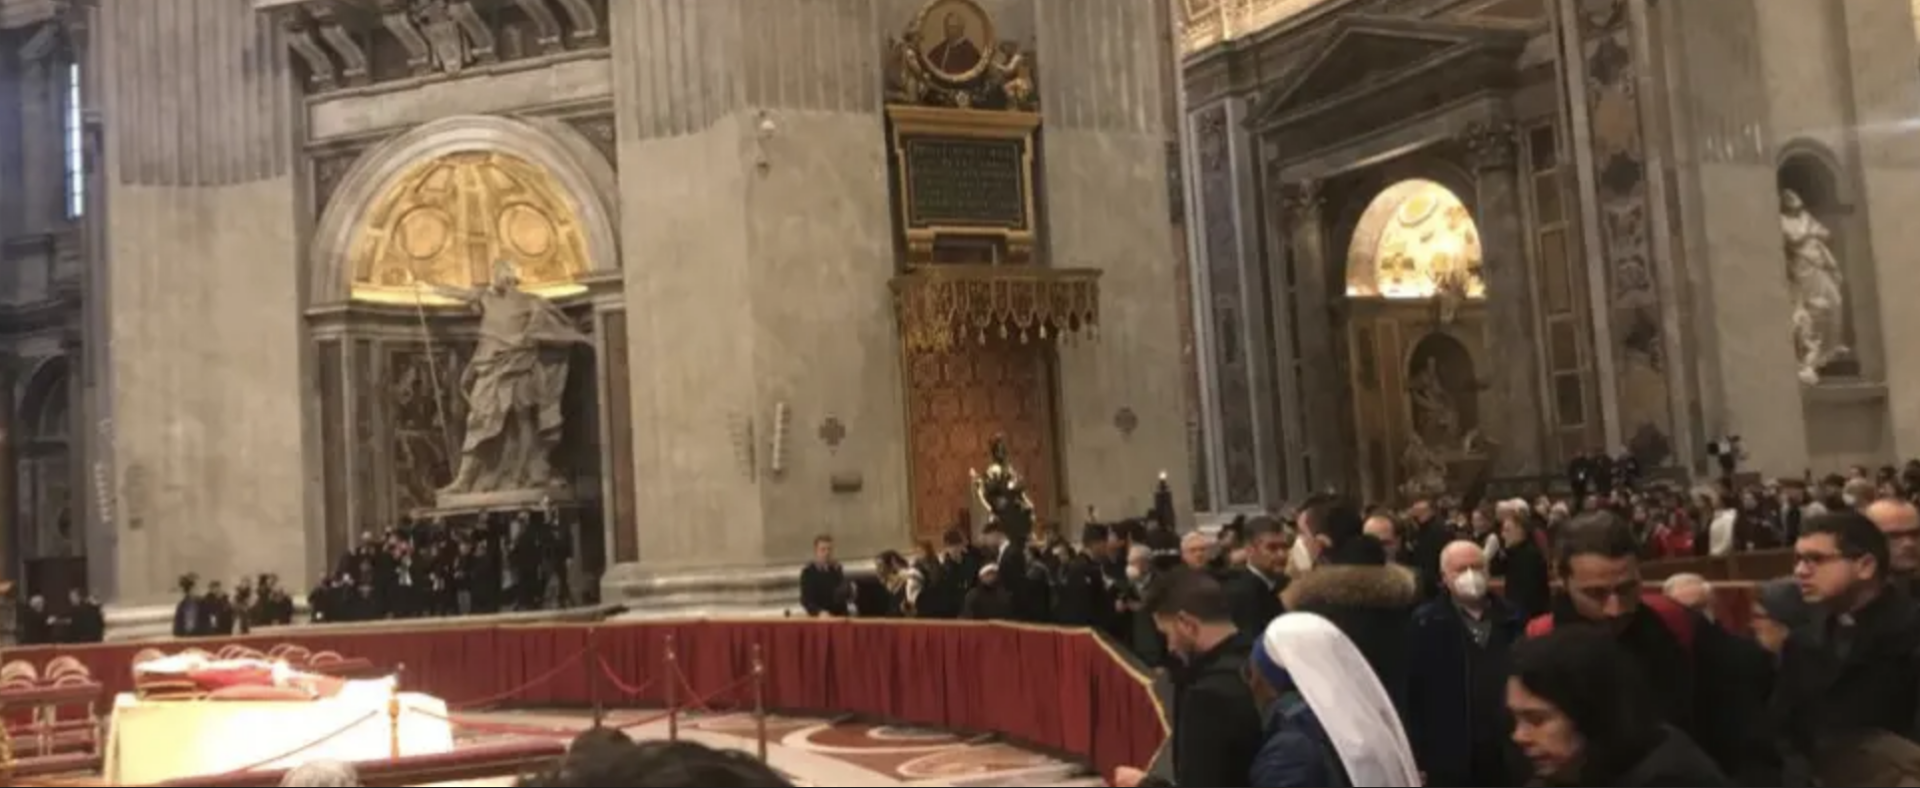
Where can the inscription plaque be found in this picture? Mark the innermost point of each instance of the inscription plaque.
(965, 182)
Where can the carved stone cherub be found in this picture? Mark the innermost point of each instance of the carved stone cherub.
(1013, 69)
(907, 78)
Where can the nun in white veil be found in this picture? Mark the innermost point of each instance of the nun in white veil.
(1329, 722)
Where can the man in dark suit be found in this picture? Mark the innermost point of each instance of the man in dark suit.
(1217, 727)
(1253, 591)
(823, 584)
(956, 54)
(1456, 696)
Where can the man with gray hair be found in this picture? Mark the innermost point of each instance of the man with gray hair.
(1197, 551)
(1690, 591)
(322, 774)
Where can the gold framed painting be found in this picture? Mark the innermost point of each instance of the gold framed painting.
(957, 40)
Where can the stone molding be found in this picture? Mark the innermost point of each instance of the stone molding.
(440, 37)
(1492, 145)
(573, 160)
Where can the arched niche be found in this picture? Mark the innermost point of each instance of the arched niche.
(1814, 172)
(1442, 389)
(45, 467)
(1415, 240)
(537, 157)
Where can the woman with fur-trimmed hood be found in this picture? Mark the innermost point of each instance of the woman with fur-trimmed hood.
(1370, 600)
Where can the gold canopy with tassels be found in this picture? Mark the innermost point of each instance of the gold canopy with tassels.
(944, 305)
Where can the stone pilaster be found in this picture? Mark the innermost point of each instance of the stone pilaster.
(1103, 101)
(203, 341)
(754, 200)
(1328, 459)
(1512, 325)
(1878, 57)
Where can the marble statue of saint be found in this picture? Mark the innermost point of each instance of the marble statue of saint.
(513, 387)
(1004, 493)
(1814, 275)
(1436, 419)
(1426, 473)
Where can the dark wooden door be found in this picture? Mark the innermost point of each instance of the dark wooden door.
(956, 402)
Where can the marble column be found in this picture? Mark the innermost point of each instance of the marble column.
(1511, 327)
(1327, 461)
(203, 344)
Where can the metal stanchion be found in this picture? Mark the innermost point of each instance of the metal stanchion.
(393, 721)
(593, 676)
(673, 692)
(760, 701)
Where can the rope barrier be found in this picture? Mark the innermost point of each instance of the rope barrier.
(530, 683)
(606, 669)
(262, 764)
(699, 703)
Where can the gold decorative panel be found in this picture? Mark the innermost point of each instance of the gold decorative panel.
(447, 220)
(1415, 240)
(943, 306)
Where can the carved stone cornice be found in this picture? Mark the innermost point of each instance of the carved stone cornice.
(397, 16)
(484, 48)
(353, 58)
(440, 37)
(586, 21)
(303, 37)
(546, 27)
(1492, 145)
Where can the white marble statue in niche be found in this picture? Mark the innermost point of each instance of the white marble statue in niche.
(1814, 276)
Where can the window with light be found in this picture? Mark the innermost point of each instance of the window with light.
(75, 147)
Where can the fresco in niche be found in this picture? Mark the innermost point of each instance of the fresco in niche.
(423, 407)
(446, 222)
(1225, 290)
(1619, 155)
(1416, 240)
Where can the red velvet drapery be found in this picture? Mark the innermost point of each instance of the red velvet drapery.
(1062, 690)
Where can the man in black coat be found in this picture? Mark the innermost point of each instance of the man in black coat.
(823, 584)
(1856, 670)
(85, 621)
(1688, 662)
(1084, 598)
(1371, 601)
(1457, 718)
(1217, 728)
(1253, 591)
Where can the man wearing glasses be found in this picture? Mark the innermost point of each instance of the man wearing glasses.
(1856, 674)
(1694, 668)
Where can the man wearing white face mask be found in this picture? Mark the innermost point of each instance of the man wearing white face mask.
(1456, 710)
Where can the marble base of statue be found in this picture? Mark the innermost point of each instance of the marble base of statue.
(447, 503)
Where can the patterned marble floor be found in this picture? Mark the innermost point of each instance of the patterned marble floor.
(824, 752)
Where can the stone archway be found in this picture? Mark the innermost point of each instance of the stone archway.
(583, 178)
(440, 205)
(45, 478)
(1415, 313)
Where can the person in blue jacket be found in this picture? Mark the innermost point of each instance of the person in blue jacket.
(1329, 722)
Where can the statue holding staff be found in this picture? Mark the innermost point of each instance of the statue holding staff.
(512, 387)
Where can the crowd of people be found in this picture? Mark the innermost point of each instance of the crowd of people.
(1599, 681)
(1504, 643)
(416, 569)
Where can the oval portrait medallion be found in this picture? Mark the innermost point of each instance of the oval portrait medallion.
(956, 40)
